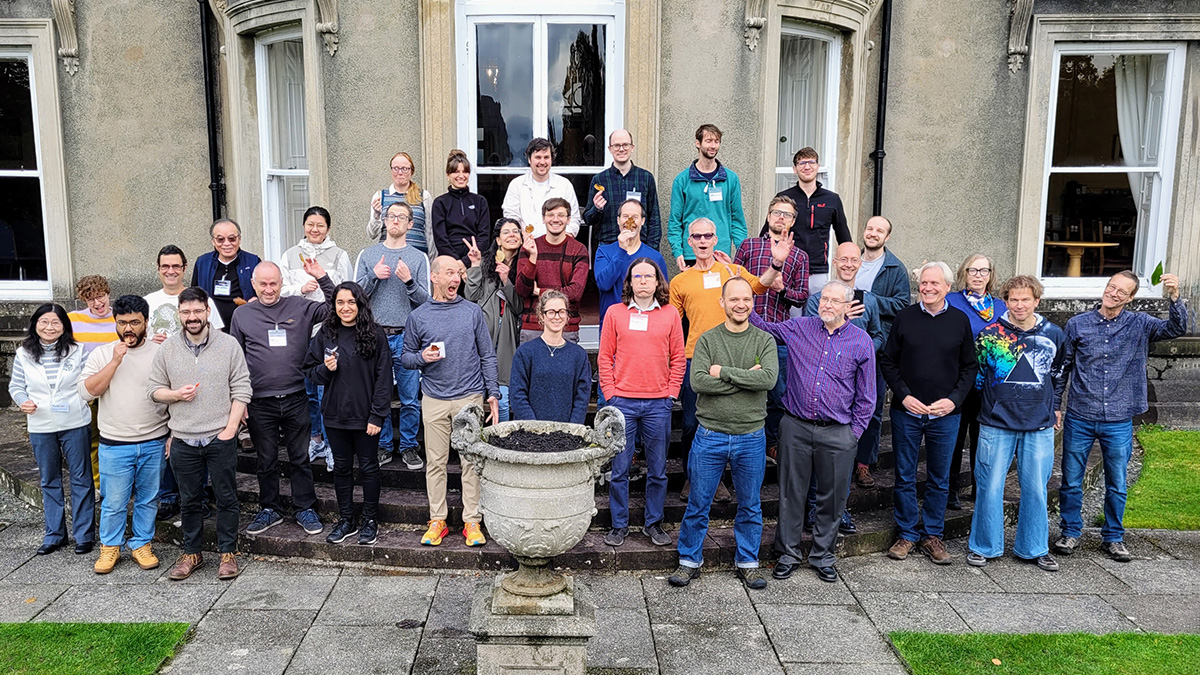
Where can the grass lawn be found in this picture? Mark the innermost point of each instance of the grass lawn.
(1037, 654)
(87, 648)
(1167, 495)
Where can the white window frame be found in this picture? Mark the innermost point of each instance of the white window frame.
(827, 171)
(273, 241)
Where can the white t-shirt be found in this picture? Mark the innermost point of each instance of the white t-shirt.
(867, 273)
(164, 314)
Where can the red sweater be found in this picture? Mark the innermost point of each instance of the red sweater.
(563, 267)
(651, 362)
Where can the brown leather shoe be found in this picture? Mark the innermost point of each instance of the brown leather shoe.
(187, 563)
(228, 568)
(862, 476)
(935, 549)
(900, 549)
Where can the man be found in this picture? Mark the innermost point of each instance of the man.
(696, 294)
(789, 290)
(224, 272)
(929, 362)
(447, 340)
(1021, 385)
(613, 259)
(163, 321)
(829, 403)
(395, 278)
(820, 211)
(133, 435)
(201, 375)
(1105, 358)
(274, 333)
(528, 192)
(552, 260)
(886, 278)
(616, 185)
(93, 327)
(706, 189)
(736, 365)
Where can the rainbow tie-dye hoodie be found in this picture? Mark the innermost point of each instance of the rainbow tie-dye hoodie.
(1020, 374)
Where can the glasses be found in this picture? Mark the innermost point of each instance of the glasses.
(1121, 293)
(645, 277)
(400, 218)
(703, 236)
(134, 323)
(49, 323)
(832, 301)
(555, 313)
(979, 271)
(232, 239)
(401, 169)
(786, 215)
(807, 162)
(171, 268)
(852, 261)
(620, 146)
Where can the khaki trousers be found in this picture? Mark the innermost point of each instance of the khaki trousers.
(438, 417)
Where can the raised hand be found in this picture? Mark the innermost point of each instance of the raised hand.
(473, 253)
(377, 204)
(403, 272)
(313, 268)
(530, 247)
(502, 270)
(1170, 284)
(119, 351)
(782, 248)
(722, 257)
(382, 271)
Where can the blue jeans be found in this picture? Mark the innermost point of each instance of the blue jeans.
(651, 418)
(1116, 446)
(711, 451)
(1034, 451)
(775, 398)
(49, 448)
(408, 382)
(939, 434)
(315, 393)
(868, 443)
(129, 470)
(503, 404)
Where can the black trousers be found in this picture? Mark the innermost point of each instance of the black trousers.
(808, 451)
(275, 421)
(190, 464)
(968, 425)
(346, 445)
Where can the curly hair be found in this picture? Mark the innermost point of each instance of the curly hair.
(365, 328)
(91, 286)
(489, 258)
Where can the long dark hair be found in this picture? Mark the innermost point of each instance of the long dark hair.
(489, 258)
(662, 290)
(365, 328)
(33, 344)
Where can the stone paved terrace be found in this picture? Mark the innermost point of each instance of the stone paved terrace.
(290, 616)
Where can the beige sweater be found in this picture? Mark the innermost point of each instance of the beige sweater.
(219, 369)
(126, 414)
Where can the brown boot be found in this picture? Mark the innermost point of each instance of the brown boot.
(229, 567)
(900, 549)
(935, 549)
(144, 557)
(187, 563)
(862, 476)
(109, 555)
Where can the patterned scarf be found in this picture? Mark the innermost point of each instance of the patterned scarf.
(981, 303)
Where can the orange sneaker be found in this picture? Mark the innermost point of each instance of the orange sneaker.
(433, 536)
(473, 535)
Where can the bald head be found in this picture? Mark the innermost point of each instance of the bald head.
(267, 281)
(445, 276)
(846, 262)
(441, 261)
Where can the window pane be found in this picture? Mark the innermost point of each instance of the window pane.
(1100, 215)
(803, 70)
(291, 196)
(285, 63)
(22, 234)
(1110, 110)
(575, 72)
(17, 147)
(504, 89)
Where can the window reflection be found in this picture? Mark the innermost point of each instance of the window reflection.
(575, 72)
(504, 84)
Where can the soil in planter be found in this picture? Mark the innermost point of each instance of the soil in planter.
(528, 441)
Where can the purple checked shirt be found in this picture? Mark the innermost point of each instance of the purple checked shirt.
(755, 255)
(830, 376)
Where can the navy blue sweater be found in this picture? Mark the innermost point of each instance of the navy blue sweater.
(551, 388)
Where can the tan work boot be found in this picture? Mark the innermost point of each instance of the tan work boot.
(862, 476)
(935, 549)
(109, 555)
(187, 563)
(900, 549)
(229, 567)
(144, 557)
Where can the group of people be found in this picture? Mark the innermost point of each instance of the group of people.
(775, 355)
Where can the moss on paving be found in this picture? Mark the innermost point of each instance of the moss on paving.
(87, 648)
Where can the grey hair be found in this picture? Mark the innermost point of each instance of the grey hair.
(265, 264)
(947, 273)
(701, 221)
(849, 294)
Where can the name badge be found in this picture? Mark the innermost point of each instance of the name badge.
(60, 408)
(714, 195)
(633, 194)
(639, 322)
(277, 337)
(223, 287)
(712, 280)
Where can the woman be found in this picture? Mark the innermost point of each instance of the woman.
(551, 378)
(315, 244)
(460, 214)
(974, 298)
(45, 385)
(490, 285)
(404, 189)
(349, 355)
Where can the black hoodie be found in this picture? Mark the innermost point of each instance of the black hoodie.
(359, 392)
(1020, 374)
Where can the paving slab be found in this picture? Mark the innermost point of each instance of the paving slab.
(208, 658)
(352, 650)
(926, 612)
(258, 567)
(64, 567)
(252, 628)
(1141, 547)
(442, 656)
(1184, 545)
(623, 642)
(25, 536)
(22, 602)
(1037, 613)
(802, 588)
(704, 649)
(843, 669)
(12, 558)
(710, 599)
(619, 591)
(364, 601)
(877, 572)
(122, 603)
(277, 592)
(450, 613)
(1157, 576)
(1160, 613)
(824, 634)
(1076, 575)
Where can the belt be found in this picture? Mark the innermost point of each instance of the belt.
(392, 330)
(816, 423)
(294, 393)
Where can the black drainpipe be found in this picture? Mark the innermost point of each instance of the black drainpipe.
(210, 109)
(885, 43)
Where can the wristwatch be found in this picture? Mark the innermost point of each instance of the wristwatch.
(776, 266)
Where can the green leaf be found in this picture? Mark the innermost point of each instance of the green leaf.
(1157, 275)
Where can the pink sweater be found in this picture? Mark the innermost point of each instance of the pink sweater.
(637, 363)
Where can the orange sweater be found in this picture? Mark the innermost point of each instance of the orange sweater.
(651, 362)
(701, 305)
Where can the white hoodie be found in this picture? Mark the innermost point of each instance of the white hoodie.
(335, 261)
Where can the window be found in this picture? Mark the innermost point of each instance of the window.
(1110, 159)
(279, 71)
(809, 63)
(23, 237)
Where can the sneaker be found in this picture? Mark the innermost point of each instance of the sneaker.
(187, 563)
(616, 536)
(369, 534)
(1044, 562)
(936, 550)
(752, 577)
(976, 560)
(683, 576)
(385, 456)
(315, 449)
(228, 569)
(900, 549)
(433, 535)
(265, 520)
(167, 510)
(656, 534)
(473, 535)
(722, 494)
(637, 470)
(343, 529)
(412, 461)
(1066, 545)
(144, 557)
(309, 521)
(863, 477)
(1117, 551)
(109, 555)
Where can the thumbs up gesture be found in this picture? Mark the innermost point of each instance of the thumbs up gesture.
(403, 272)
(382, 271)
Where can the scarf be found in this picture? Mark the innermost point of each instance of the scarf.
(982, 304)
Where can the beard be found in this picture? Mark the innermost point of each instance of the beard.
(138, 338)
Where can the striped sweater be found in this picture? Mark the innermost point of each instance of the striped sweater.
(90, 330)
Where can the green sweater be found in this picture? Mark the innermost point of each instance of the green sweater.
(735, 402)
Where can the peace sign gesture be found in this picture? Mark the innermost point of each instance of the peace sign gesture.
(473, 253)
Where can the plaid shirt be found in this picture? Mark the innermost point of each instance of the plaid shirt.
(616, 187)
(755, 255)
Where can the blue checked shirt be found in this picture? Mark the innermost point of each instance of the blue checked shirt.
(616, 189)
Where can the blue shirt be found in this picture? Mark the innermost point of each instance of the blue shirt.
(1106, 359)
(612, 264)
(959, 301)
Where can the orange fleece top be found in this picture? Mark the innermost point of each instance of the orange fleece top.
(701, 305)
(641, 363)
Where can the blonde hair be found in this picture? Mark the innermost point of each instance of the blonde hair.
(413, 195)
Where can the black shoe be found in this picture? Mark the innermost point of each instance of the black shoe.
(752, 577)
(826, 574)
(84, 548)
(683, 576)
(616, 536)
(657, 536)
(784, 570)
(47, 549)
(341, 531)
(369, 533)
(847, 525)
(411, 460)
(167, 510)
(952, 501)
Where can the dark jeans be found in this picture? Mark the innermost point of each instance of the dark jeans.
(49, 448)
(808, 451)
(868, 444)
(907, 433)
(219, 460)
(968, 425)
(688, 398)
(775, 398)
(346, 444)
(649, 419)
(275, 421)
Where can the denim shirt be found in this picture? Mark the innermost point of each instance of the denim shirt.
(1106, 360)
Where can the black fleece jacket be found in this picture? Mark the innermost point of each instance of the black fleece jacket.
(457, 215)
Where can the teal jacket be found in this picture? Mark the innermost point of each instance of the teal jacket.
(690, 200)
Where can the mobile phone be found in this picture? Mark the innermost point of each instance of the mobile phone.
(858, 296)
(331, 351)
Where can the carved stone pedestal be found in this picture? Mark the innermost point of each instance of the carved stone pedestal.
(544, 635)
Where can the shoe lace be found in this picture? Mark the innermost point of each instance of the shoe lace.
(228, 557)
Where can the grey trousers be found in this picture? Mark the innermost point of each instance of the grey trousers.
(807, 450)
